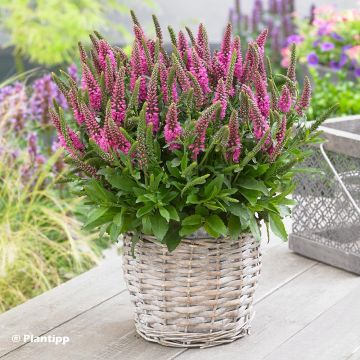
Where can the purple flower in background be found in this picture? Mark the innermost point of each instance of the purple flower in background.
(327, 46)
(334, 65)
(73, 72)
(44, 91)
(316, 43)
(295, 38)
(336, 36)
(343, 59)
(312, 59)
(357, 72)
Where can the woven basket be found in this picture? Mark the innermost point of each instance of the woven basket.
(199, 295)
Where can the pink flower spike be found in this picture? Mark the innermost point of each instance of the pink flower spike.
(104, 52)
(225, 52)
(152, 111)
(116, 139)
(222, 96)
(76, 107)
(78, 145)
(93, 88)
(202, 44)
(182, 43)
(239, 60)
(172, 130)
(262, 97)
(198, 69)
(234, 143)
(163, 74)
(118, 103)
(200, 130)
(285, 101)
(90, 121)
(261, 39)
(305, 99)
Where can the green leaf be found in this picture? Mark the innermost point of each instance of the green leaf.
(144, 210)
(121, 182)
(250, 195)
(189, 229)
(159, 226)
(192, 220)
(97, 193)
(172, 237)
(146, 225)
(114, 232)
(97, 219)
(164, 213)
(234, 227)
(197, 181)
(252, 184)
(214, 186)
(95, 214)
(215, 223)
(277, 226)
(254, 228)
(173, 213)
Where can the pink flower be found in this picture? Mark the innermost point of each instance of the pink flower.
(225, 52)
(305, 98)
(152, 111)
(118, 103)
(105, 51)
(199, 71)
(200, 131)
(262, 97)
(172, 130)
(221, 96)
(114, 137)
(93, 88)
(234, 143)
(285, 101)
(76, 107)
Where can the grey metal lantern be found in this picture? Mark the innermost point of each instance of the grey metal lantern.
(326, 220)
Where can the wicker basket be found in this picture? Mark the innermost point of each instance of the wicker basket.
(200, 295)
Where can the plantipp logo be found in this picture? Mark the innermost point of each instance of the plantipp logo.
(50, 339)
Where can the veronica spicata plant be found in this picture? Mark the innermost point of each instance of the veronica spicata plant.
(164, 144)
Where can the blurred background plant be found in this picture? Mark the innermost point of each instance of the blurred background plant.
(46, 32)
(42, 243)
(342, 91)
(329, 48)
(331, 38)
(275, 15)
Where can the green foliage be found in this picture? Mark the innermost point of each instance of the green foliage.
(341, 90)
(171, 193)
(47, 31)
(41, 241)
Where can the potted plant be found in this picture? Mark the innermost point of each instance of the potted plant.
(184, 154)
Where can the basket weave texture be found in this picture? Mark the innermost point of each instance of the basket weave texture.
(199, 295)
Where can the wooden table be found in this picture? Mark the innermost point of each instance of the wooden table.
(304, 310)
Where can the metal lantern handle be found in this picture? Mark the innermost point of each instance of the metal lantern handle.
(338, 178)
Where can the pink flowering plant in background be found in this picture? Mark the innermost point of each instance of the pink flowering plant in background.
(167, 143)
(330, 38)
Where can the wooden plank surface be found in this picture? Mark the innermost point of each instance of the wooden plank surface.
(293, 292)
(287, 311)
(114, 317)
(42, 313)
(334, 335)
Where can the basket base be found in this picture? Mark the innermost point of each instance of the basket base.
(196, 340)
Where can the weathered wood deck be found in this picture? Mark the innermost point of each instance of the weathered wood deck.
(304, 310)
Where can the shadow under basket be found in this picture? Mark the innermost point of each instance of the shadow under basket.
(199, 295)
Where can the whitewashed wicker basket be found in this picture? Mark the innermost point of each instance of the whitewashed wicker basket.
(199, 295)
